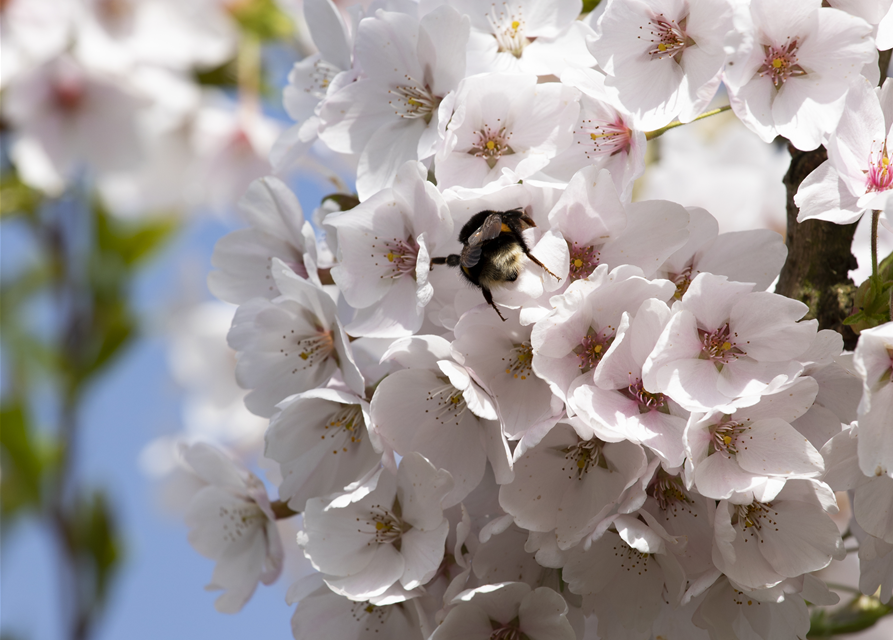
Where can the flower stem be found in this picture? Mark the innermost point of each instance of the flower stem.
(875, 217)
(651, 135)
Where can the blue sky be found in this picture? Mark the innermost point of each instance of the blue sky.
(159, 593)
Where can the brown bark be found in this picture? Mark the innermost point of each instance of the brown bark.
(819, 256)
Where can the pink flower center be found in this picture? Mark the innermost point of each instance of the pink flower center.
(491, 145)
(668, 38)
(398, 256)
(312, 349)
(879, 175)
(647, 401)
(414, 100)
(508, 27)
(667, 490)
(583, 457)
(68, 93)
(753, 516)
(604, 139)
(780, 63)
(725, 437)
(386, 526)
(718, 346)
(449, 403)
(682, 281)
(583, 261)
(520, 361)
(321, 77)
(346, 425)
(592, 347)
(507, 631)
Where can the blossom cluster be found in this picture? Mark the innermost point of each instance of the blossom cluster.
(105, 94)
(576, 415)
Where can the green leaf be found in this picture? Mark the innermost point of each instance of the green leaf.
(225, 75)
(872, 301)
(132, 241)
(16, 196)
(589, 5)
(95, 537)
(345, 201)
(262, 18)
(21, 461)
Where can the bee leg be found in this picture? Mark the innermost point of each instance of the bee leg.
(451, 260)
(545, 268)
(489, 298)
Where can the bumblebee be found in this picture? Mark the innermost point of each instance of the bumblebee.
(492, 246)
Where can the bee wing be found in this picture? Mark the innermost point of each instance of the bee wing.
(471, 253)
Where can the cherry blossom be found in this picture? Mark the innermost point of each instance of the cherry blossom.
(311, 80)
(663, 57)
(723, 349)
(385, 245)
(525, 36)
(290, 344)
(626, 575)
(66, 114)
(507, 610)
(747, 455)
(392, 114)
(325, 613)
(770, 82)
(856, 176)
(504, 121)
(245, 257)
(569, 343)
(321, 442)
(617, 405)
(758, 545)
(231, 522)
(435, 407)
(393, 533)
(604, 136)
(874, 363)
(570, 481)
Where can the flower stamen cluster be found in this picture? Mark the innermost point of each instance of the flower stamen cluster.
(508, 29)
(718, 346)
(879, 176)
(346, 423)
(583, 261)
(414, 100)
(780, 63)
(668, 37)
(520, 361)
(491, 145)
(592, 348)
(584, 456)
